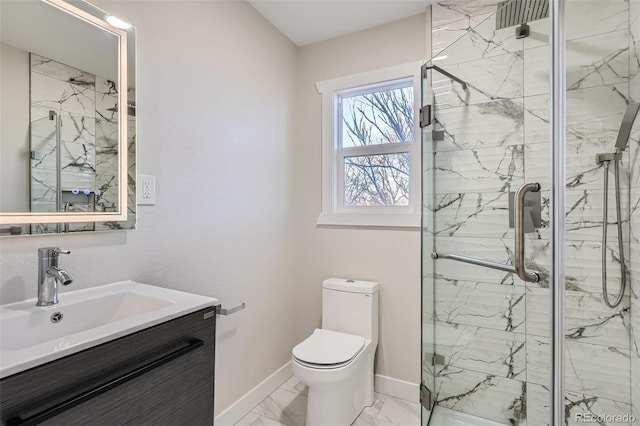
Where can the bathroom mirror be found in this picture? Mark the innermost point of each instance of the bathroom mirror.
(67, 147)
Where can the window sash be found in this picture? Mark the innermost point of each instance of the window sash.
(333, 211)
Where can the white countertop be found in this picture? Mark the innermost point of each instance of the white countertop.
(92, 316)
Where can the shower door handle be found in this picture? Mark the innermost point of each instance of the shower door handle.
(520, 231)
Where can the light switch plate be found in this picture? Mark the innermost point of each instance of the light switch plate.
(146, 190)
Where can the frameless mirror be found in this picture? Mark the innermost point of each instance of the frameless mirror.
(67, 118)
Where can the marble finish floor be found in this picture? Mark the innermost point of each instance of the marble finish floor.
(287, 406)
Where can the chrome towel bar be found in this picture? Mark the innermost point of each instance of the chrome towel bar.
(222, 311)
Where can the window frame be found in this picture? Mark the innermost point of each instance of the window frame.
(333, 211)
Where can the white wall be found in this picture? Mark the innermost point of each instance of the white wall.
(14, 129)
(215, 98)
(391, 257)
(229, 122)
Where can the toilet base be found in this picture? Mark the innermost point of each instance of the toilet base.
(336, 397)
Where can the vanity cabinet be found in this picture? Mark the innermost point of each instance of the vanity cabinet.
(163, 375)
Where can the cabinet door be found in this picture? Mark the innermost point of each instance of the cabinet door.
(162, 376)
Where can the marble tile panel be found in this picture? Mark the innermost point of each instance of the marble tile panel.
(495, 77)
(483, 350)
(479, 41)
(582, 172)
(41, 125)
(591, 61)
(451, 22)
(635, 348)
(70, 180)
(635, 217)
(106, 134)
(597, 370)
(75, 157)
(487, 125)
(584, 215)
(47, 92)
(106, 100)
(539, 407)
(107, 197)
(59, 71)
(494, 306)
(587, 318)
(480, 170)
(593, 116)
(634, 11)
(286, 407)
(38, 205)
(471, 214)
(494, 249)
(483, 395)
(634, 47)
(78, 129)
(583, 271)
(584, 18)
(634, 88)
(634, 155)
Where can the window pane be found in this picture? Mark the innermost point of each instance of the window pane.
(377, 180)
(378, 118)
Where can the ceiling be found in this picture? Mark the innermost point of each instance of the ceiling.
(310, 21)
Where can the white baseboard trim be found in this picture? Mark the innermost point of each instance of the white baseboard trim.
(246, 403)
(397, 388)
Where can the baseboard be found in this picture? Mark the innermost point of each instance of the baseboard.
(246, 403)
(397, 388)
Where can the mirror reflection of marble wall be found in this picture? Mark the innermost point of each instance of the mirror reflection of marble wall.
(84, 106)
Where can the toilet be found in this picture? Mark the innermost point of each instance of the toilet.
(336, 361)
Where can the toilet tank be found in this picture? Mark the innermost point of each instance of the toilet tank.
(350, 306)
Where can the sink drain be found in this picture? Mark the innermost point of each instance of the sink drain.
(56, 317)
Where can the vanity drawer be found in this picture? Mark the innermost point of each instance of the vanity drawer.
(161, 375)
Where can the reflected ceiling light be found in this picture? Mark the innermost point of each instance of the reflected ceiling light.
(118, 23)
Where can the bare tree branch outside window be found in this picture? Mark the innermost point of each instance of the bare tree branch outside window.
(384, 117)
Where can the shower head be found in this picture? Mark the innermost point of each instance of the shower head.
(515, 12)
(627, 124)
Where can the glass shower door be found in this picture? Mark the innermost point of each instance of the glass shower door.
(475, 157)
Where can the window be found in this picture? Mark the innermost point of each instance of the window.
(371, 151)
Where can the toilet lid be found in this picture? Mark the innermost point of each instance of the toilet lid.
(328, 347)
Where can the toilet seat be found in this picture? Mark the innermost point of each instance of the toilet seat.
(326, 349)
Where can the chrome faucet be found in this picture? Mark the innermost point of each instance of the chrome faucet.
(50, 276)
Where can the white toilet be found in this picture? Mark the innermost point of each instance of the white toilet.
(336, 361)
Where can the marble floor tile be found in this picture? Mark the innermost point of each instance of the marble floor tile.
(253, 419)
(399, 412)
(286, 407)
(295, 385)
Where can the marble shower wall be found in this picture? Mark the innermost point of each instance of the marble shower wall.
(634, 149)
(492, 328)
(87, 106)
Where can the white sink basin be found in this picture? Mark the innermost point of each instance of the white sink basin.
(29, 337)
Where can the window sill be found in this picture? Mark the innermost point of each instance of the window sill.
(369, 220)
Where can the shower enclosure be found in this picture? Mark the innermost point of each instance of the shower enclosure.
(531, 214)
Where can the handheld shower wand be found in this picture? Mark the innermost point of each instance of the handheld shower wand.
(621, 144)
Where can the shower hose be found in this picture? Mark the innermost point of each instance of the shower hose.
(605, 293)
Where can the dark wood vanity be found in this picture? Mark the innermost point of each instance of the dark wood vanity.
(163, 375)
